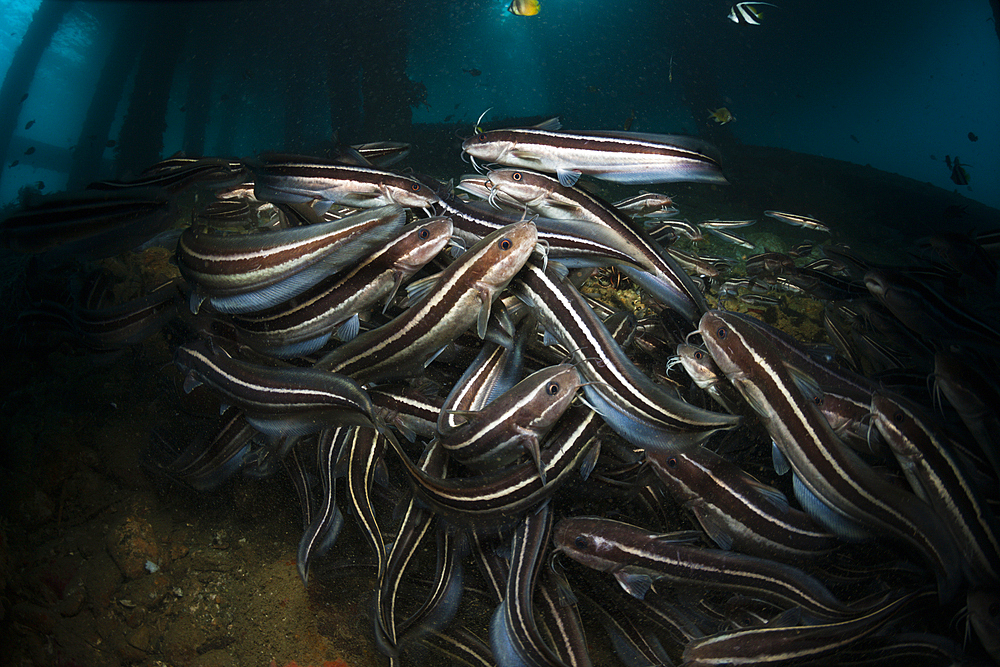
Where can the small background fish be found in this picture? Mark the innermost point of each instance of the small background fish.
(721, 116)
(748, 13)
(524, 7)
(959, 176)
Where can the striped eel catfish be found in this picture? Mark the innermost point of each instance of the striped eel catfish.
(634, 646)
(478, 185)
(118, 326)
(278, 401)
(176, 174)
(622, 157)
(301, 474)
(668, 231)
(324, 528)
(788, 644)
(414, 527)
(704, 373)
(462, 295)
(729, 237)
(407, 410)
(383, 153)
(833, 484)
(87, 225)
(489, 551)
(621, 324)
(240, 273)
(797, 220)
(936, 475)
(727, 224)
(645, 203)
(976, 399)
(514, 633)
(458, 645)
(797, 358)
(206, 463)
(302, 179)
(678, 621)
(515, 422)
(560, 619)
(637, 558)
(228, 213)
(447, 586)
(597, 220)
(735, 510)
(562, 238)
(491, 374)
(562, 235)
(669, 613)
(494, 371)
(850, 420)
(363, 449)
(493, 499)
(639, 410)
(929, 313)
(305, 325)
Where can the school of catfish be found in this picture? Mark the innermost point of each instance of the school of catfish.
(582, 470)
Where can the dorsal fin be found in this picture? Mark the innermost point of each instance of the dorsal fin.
(550, 125)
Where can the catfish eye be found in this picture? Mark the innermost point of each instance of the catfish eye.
(581, 542)
(505, 244)
(721, 333)
(481, 137)
(416, 187)
(424, 234)
(672, 462)
(552, 389)
(897, 417)
(516, 176)
(818, 400)
(698, 355)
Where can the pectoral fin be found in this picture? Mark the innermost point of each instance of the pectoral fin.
(635, 584)
(567, 178)
(484, 313)
(191, 382)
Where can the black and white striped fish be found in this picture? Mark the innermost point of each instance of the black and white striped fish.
(622, 157)
(748, 13)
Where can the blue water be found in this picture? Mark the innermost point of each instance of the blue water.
(895, 85)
